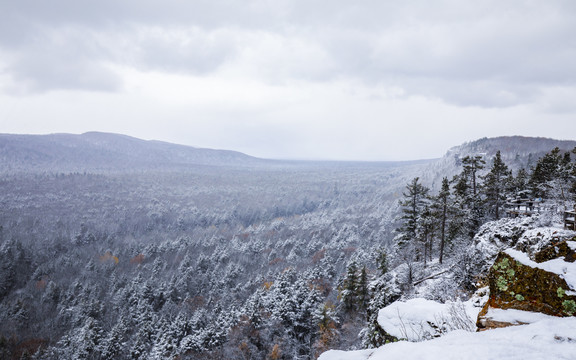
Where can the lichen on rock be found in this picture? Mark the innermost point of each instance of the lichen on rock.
(569, 307)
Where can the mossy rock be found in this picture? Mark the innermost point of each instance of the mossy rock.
(517, 286)
(556, 251)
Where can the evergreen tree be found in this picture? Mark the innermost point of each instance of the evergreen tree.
(518, 185)
(413, 204)
(441, 206)
(382, 261)
(144, 321)
(362, 289)
(327, 330)
(113, 346)
(383, 292)
(425, 233)
(350, 286)
(86, 341)
(473, 164)
(466, 190)
(573, 188)
(566, 179)
(307, 316)
(415, 231)
(495, 186)
(545, 171)
(553, 177)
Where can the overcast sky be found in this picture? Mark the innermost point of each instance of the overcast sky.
(305, 79)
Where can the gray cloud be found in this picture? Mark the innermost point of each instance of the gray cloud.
(182, 50)
(486, 53)
(62, 58)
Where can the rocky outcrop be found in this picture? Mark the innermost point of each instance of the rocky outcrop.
(543, 240)
(517, 282)
(564, 249)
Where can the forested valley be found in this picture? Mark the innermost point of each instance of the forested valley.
(260, 260)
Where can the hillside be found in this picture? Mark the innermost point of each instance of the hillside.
(164, 250)
(95, 151)
(526, 312)
(517, 152)
(511, 274)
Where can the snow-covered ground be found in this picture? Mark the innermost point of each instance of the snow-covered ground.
(438, 331)
(548, 338)
(418, 319)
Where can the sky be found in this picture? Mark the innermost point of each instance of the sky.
(291, 79)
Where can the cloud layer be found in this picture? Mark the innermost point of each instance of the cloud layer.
(248, 59)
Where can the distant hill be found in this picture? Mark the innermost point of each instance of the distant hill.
(516, 151)
(97, 151)
(519, 151)
(105, 151)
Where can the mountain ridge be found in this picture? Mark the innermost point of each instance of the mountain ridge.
(102, 151)
(107, 151)
(511, 146)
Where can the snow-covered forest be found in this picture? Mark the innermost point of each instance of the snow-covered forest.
(129, 258)
(507, 289)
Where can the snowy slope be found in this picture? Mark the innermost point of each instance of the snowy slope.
(536, 336)
(552, 338)
(418, 318)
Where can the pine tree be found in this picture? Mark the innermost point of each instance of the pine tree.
(113, 346)
(441, 205)
(383, 292)
(382, 261)
(544, 172)
(7, 267)
(327, 330)
(466, 190)
(362, 289)
(495, 186)
(473, 164)
(425, 233)
(415, 199)
(518, 185)
(350, 286)
(566, 179)
(86, 340)
(573, 188)
(553, 177)
(144, 321)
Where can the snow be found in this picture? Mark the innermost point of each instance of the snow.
(539, 238)
(347, 355)
(410, 319)
(564, 269)
(523, 233)
(550, 338)
(514, 316)
(418, 318)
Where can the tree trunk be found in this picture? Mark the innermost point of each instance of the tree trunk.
(443, 235)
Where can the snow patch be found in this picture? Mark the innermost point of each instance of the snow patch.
(514, 316)
(418, 319)
(551, 338)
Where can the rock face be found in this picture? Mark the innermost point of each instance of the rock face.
(528, 286)
(565, 249)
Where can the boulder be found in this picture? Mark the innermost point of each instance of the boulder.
(565, 249)
(516, 282)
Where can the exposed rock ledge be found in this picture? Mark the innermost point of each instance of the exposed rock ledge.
(517, 282)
